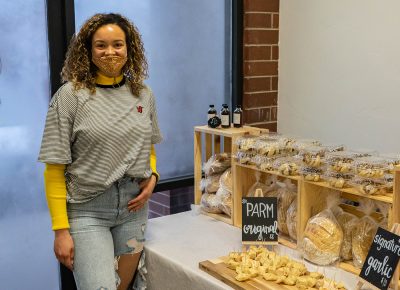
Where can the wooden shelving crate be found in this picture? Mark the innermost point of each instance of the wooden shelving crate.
(209, 141)
(311, 200)
(311, 196)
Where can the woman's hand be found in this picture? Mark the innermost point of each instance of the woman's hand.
(146, 189)
(64, 248)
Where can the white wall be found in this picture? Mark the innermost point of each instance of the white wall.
(339, 72)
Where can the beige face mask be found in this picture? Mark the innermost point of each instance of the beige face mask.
(111, 65)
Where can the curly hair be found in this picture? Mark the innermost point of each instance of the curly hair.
(80, 70)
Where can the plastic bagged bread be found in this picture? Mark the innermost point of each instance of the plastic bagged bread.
(210, 184)
(225, 200)
(225, 181)
(347, 221)
(363, 234)
(258, 185)
(217, 164)
(286, 194)
(291, 219)
(210, 203)
(323, 237)
(272, 186)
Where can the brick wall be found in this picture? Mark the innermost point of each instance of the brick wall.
(260, 63)
(171, 201)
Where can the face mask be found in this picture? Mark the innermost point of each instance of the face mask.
(111, 65)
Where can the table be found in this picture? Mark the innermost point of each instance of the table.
(177, 243)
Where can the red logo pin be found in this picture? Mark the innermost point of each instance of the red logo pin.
(139, 109)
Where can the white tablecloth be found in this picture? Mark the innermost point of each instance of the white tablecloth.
(177, 243)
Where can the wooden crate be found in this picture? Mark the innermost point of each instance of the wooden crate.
(209, 141)
(311, 200)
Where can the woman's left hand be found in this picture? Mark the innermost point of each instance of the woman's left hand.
(146, 189)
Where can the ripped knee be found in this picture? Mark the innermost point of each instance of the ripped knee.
(135, 246)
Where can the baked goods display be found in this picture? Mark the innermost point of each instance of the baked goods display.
(267, 148)
(291, 219)
(369, 186)
(217, 164)
(260, 262)
(210, 184)
(312, 156)
(311, 173)
(322, 239)
(210, 203)
(371, 167)
(338, 180)
(286, 194)
(347, 222)
(362, 236)
(287, 166)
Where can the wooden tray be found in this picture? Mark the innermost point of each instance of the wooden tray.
(219, 270)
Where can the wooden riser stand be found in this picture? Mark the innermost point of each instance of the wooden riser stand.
(311, 195)
(209, 141)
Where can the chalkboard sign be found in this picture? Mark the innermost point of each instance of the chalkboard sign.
(259, 220)
(382, 259)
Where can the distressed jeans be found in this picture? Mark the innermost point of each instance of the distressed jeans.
(102, 230)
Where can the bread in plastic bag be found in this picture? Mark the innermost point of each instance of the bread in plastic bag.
(272, 186)
(210, 203)
(225, 198)
(291, 220)
(363, 234)
(258, 185)
(210, 184)
(286, 194)
(225, 181)
(347, 221)
(323, 237)
(217, 164)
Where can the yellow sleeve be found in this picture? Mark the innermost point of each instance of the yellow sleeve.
(56, 195)
(153, 162)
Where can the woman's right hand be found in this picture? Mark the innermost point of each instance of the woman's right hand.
(64, 248)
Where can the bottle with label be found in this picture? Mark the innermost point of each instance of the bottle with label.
(211, 112)
(237, 117)
(225, 116)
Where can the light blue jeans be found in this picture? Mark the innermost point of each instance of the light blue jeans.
(102, 230)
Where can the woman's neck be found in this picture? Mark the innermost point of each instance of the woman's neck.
(102, 79)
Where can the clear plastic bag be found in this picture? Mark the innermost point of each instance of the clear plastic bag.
(246, 143)
(210, 203)
(225, 199)
(225, 181)
(313, 156)
(338, 180)
(291, 219)
(272, 186)
(210, 184)
(267, 148)
(217, 164)
(243, 157)
(347, 221)
(258, 185)
(286, 194)
(369, 186)
(311, 173)
(371, 167)
(363, 233)
(288, 166)
(323, 236)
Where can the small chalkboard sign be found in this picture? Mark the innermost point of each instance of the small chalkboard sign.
(382, 259)
(259, 220)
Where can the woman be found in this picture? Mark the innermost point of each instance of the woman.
(99, 154)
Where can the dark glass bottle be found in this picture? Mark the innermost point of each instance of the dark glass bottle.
(237, 117)
(225, 116)
(211, 112)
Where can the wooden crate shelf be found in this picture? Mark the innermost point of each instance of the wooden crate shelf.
(209, 141)
(311, 195)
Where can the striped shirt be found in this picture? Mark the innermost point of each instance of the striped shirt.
(101, 137)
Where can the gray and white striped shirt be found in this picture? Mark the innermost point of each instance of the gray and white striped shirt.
(101, 137)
